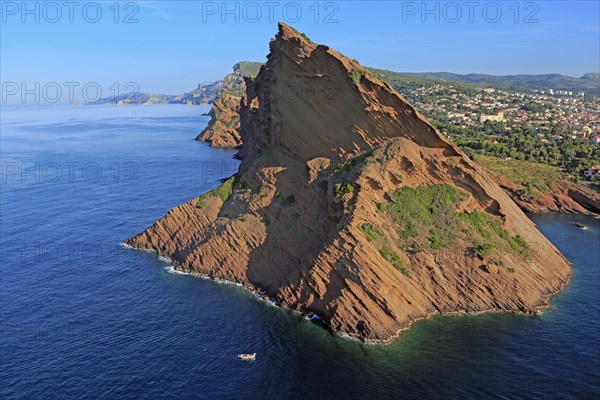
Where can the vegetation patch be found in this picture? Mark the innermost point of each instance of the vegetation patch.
(425, 214)
(393, 258)
(482, 249)
(356, 74)
(426, 217)
(534, 178)
(490, 230)
(343, 188)
(522, 144)
(223, 192)
(371, 232)
(247, 68)
(301, 34)
(347, 165)
(306, 37)
(232, 122)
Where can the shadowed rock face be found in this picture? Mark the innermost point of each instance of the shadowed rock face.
(349, 204)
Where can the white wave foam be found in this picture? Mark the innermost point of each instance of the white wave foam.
(123, 244)
(348, 337)
(171, 269)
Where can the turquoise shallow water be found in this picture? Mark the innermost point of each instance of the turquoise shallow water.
(83, 317)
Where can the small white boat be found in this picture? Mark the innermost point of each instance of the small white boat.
(247, 357)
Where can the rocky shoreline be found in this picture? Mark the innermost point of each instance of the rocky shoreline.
(312, 317)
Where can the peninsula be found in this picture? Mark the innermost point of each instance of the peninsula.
(350, 205)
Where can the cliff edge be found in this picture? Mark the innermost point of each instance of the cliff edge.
(349, 204)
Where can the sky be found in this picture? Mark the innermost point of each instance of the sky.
(172, 46)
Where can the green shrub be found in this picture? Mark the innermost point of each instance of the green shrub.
(482, 249)
(510, 269)
(232, 122)
(343, 188)
(435, 242)
(371, 232)
(356, 74)
(520, 242)
(390, 256)
(529, 190)
(345, 166)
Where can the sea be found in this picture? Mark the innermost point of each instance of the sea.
(84, 317)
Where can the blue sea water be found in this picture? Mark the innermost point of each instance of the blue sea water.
(83, 317)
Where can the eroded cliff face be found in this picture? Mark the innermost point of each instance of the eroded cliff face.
(564, 196)
(349, 204)
(223, 128)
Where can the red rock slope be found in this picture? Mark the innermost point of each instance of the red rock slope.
(349, 204)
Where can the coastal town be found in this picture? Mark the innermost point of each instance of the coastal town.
(560, 128)
(553, 114)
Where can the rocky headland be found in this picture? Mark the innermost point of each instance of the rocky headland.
(350, 205)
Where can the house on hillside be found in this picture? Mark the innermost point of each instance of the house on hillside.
(496, 118)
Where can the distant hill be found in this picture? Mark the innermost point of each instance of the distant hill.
(589, 81)
(205, 93)
(591, 76)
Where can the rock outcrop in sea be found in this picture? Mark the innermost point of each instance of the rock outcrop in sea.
(350, 205)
